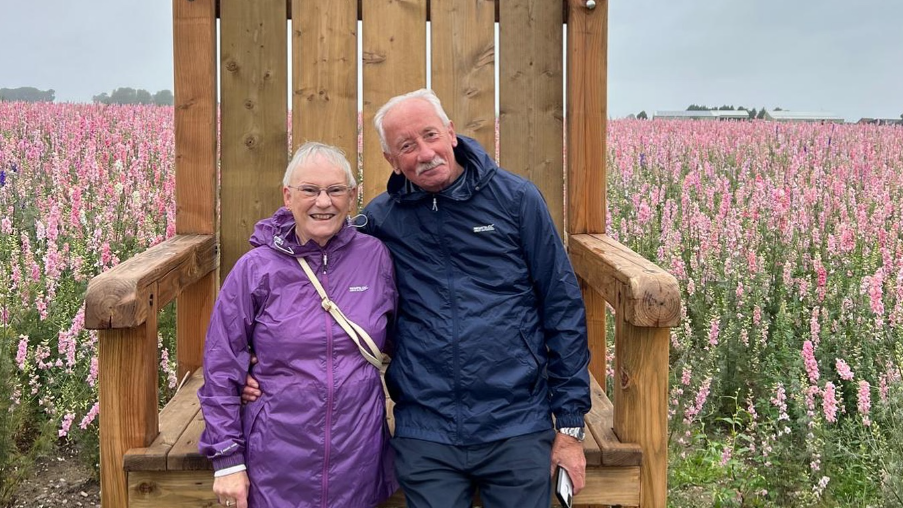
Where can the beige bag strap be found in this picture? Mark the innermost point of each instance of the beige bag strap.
(374, 355)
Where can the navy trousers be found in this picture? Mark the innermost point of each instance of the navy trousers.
(509, 473)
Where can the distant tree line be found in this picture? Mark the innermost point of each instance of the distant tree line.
(126, 95)
(753, 113)
(27, 94)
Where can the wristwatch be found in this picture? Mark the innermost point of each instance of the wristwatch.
(575, 432)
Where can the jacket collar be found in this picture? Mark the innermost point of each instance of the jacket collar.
(478, 166)
(278, 233)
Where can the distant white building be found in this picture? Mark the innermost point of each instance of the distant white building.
(701, 115)
(802, 116)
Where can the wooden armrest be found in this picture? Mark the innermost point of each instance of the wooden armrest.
(123, 296)
(646, 295)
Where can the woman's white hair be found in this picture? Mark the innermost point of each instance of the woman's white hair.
(424, 94)
(311, 149)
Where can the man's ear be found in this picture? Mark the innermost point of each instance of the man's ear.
(391, 161)
(451, 132)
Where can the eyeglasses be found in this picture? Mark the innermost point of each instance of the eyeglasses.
(312, 191)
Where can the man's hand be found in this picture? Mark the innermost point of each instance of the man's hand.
(252, 388)
(232, 490)
(567, 452)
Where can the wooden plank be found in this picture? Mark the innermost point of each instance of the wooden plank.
(174, 419)
(587, 56)
(599, 422)
(120, 297)
(324, 72)
(184, 455)
(641, 402)
(254, 74)
(172, 489)
(394, 60)
(641, 292)
(195, 305)
(611, 486)
(463, 65)
(531, 102)
(127, 361)
(194, 73)
(595, 328)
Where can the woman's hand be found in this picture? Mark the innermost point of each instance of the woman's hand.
(232, 490)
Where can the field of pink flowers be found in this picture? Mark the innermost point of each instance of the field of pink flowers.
(785, 238)
(786, 241)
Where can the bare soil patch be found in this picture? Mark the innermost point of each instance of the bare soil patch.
(60, 479)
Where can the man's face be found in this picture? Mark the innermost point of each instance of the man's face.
(420, 147)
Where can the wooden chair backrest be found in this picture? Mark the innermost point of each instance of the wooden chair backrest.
(393, 35)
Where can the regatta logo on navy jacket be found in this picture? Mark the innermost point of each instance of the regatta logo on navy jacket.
(483, 229)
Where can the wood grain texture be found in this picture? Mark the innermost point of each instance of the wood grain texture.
(254, 77)
(194, 73)
(531, 100)
(121, 297)
(595, 331)
(324, 73)
(171, 489)
(175, 418)
(587, 55)
(644, 294)
(127, 390)
(194, 307)
(463, 65)
(641, 402)
(599, 422)
(394, 60)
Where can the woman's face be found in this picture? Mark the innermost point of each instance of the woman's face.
(319, 198)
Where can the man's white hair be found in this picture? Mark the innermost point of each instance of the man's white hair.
(310, 150)
(424, 94)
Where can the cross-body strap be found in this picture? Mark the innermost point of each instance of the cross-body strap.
(374, 355)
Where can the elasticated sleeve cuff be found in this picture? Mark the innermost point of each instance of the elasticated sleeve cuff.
(222, 462)
(569, 420)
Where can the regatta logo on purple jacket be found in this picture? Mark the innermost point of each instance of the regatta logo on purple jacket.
(358, 289)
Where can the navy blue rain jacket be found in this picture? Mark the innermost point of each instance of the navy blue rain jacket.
(491, 327)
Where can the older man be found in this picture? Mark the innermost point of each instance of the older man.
(491, 332)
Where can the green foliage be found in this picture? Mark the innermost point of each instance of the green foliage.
(126, 95)
(642, 115)
(27, 94)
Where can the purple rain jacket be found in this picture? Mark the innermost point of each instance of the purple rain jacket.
(317, 437)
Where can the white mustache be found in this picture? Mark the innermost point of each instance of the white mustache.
(426, 166)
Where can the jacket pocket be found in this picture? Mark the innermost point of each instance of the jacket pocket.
(536, 363)
(250, 417)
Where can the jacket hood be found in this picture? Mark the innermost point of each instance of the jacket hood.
(479, 168)
(278, 233)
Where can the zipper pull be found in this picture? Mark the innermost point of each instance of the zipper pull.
(435, 208)
(325, 259)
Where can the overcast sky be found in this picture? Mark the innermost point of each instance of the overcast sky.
(835, 56)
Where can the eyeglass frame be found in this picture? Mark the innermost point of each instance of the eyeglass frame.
(342, 190)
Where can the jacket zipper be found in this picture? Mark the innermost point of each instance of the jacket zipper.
(454, 331)
(329, 394)
(435, 208)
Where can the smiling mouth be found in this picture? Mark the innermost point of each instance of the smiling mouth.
(321, 216)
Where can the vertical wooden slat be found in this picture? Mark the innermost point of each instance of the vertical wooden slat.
(394, 60)
(595, 327)
(587, 111)
(127, 362)
(531, 97)
(463, 58)
(641, 402)
(324, 71)
(254, 134)
(194, 72)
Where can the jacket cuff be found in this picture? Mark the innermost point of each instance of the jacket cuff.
(569, 420)
(222, 462)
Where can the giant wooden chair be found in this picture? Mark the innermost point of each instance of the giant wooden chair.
(150, 459)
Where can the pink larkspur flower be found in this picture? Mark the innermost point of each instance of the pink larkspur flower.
(829, 402)
(843, 370)
(809, 361)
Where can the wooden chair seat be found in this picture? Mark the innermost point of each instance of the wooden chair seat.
(170, 472)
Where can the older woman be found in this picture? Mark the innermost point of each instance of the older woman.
(318, 436)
